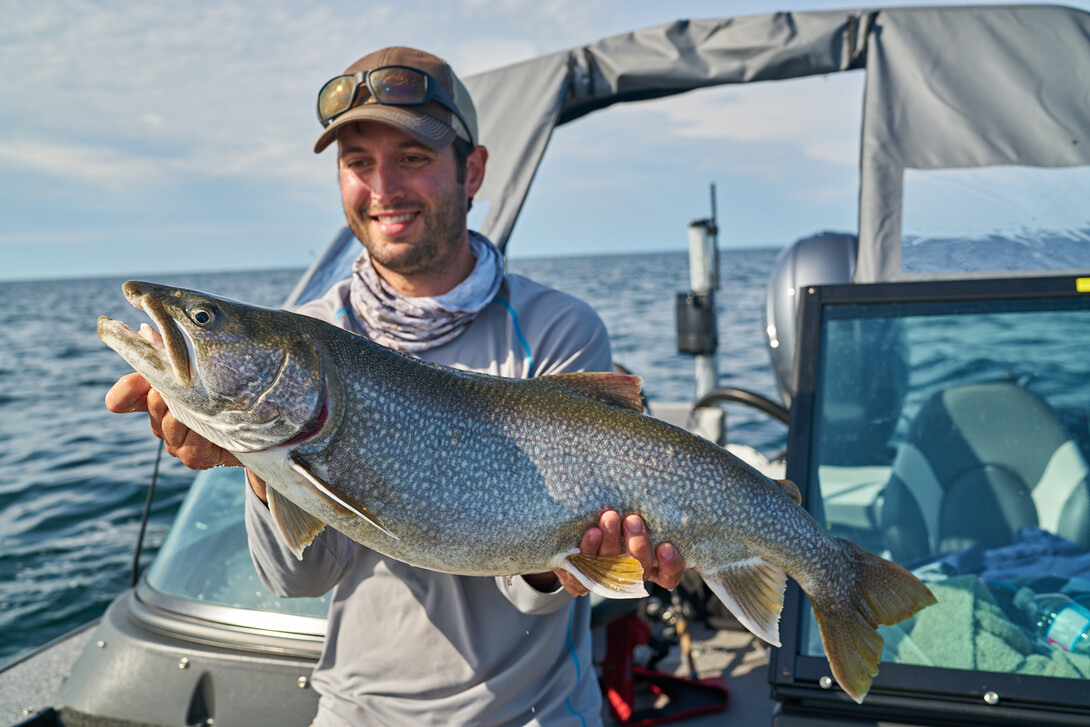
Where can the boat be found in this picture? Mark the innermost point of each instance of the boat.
(198, 641)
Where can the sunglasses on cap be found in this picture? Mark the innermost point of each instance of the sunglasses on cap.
(389, 85)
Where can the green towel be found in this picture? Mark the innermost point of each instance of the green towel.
(967, 629)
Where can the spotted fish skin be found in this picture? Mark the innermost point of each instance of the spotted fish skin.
(467, 473)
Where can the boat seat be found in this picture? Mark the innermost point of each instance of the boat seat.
(979, 462)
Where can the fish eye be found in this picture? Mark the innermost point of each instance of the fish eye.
(203, 315)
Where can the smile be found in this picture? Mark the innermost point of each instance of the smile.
(394, 219)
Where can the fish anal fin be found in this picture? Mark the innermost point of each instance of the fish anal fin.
(608, 387)
(791, 489)
(332, 499)
(297, 526)
(753, 591)
(884, 593)
(609, 576)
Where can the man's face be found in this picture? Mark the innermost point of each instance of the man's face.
(402, 199)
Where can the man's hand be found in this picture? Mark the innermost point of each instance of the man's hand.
(612, 537)
(133, 393)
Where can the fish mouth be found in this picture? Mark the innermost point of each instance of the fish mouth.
(165, 348)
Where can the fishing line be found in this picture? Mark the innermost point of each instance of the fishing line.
(144, 519)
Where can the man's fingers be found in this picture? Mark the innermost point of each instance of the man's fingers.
(610, 525)
(591, 542)
(671, 566)
(174, 432)
(613, 536)
(638, 543)
(191, 448)
(133, 393)
(157, 410)
(664, 565)
(570, 584)
(129, 394)
(605, 539)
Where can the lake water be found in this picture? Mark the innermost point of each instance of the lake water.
(73, 477)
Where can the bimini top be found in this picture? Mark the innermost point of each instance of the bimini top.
(946, 88)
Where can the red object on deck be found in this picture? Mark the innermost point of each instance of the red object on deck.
(641, 697)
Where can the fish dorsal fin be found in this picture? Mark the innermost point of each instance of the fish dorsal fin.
(791, 489)
(332, 500)
(607, 387)
(609, 576)
(298, 527)
(752, 590)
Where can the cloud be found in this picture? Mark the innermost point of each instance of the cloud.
(226, 90)
(126, 85)
(206, 110)
(222, 89)
(142, 233)
(97, 164)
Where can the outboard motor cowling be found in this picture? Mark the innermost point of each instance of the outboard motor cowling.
(825, 258)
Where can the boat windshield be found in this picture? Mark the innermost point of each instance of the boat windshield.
(205, 558)
(953, 437)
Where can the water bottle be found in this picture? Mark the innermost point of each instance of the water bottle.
(1057, 619)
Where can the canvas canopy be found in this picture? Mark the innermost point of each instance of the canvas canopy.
(946, 87)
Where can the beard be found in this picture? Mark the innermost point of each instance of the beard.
(434, 242)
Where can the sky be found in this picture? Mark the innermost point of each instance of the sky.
(152, 137)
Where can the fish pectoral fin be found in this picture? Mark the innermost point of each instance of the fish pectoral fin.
(791, 489)
(615, 389)
(297, 526)
(332, 500)
(609, 576)
(752, 590)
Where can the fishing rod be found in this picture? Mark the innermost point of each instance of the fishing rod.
(144, 518)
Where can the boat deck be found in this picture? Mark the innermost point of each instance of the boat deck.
(736, 654)
(32, 684)
(742, 659)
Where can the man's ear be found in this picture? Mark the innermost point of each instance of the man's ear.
(475, 164)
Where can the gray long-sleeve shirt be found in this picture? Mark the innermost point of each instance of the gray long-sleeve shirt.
(407, 646)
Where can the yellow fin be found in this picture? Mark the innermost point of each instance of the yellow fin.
(884, 593)
(791, 489)
(298, 527)
(615, 389)
(332, 500)
(609, 576)
(753, 591)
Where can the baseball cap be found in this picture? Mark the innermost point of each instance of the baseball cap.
(431, 123)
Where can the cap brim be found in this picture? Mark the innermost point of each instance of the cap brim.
(425, 129)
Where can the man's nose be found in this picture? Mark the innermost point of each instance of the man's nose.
(387, 182)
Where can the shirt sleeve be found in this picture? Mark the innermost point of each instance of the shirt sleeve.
(530, 600)
(324, 563)
(330, 307)
(575, 343)
(564, 333)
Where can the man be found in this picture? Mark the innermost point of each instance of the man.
(406, 645)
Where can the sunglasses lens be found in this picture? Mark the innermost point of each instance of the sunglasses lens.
(336, 96)
(399, 85)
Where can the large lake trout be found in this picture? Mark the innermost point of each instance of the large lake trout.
(480, 475)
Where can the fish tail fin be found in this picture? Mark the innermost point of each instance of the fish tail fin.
(885, 593)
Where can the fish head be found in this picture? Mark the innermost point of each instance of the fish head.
(245, 377)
